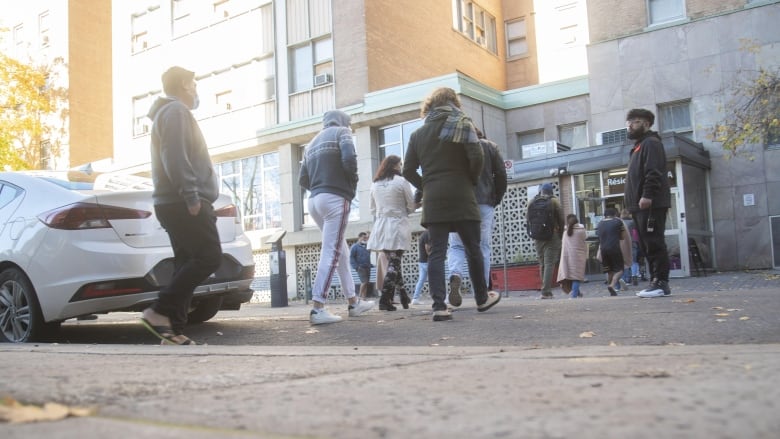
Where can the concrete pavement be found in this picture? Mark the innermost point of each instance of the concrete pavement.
(672, 390)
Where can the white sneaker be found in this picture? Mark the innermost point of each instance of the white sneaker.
(417, 302)
(623, 285)
(493, 298)
(442, 315)
(650, 293)
(322, 316)
(360, 307)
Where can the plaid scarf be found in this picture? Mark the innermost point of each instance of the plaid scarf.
(458, 127)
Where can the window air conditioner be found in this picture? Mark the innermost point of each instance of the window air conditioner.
(322, 79)
(614, 136)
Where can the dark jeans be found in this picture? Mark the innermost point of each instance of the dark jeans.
(469, 233)
(653, 244)
(197, 253)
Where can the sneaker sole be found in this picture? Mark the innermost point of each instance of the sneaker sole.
(442, 318)
(485, 307)
(455, 297)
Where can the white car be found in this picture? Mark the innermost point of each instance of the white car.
(68, 250)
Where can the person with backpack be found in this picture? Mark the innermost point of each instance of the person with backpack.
(545, 225)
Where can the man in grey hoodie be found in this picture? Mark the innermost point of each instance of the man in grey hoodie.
(185, 186)
(329, 172)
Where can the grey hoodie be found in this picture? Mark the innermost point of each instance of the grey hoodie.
(181, 166)
(329, 162)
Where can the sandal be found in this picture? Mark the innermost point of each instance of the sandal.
(166, 334)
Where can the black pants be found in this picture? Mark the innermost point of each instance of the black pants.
(470, 234)
(197, 253)
(653, 244)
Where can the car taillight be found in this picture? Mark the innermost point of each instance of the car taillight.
(80, 216)
(229, 211)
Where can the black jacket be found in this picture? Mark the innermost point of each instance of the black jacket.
(647, 176)
(492, 182)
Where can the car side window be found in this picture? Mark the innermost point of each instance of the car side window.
(8, 193)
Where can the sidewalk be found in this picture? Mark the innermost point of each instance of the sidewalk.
(429, 392)
(596, 389)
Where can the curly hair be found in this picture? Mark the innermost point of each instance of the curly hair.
(439, 97)
(387, 169)
(641, 113)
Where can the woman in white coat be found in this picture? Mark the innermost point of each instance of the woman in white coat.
(574, 253)
(391, 203)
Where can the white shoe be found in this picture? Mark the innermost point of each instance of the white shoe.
(623, 285)
(650, 293)
(360, 307)
(322, 316)
(417, 302)
(493, 298)
(442, 315)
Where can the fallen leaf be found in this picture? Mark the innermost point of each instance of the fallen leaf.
(676, 344)
(689, 301)
(220, 333)
(717, 307)
(445, 338)
(14, 412)
(733, 309)
(312, 331)
(722, 314)
(612, 343)
(587, 334)
(744, 318)
(720, 320)
(517, 317)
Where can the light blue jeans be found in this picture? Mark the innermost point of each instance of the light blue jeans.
(456, 254)
(421, 281)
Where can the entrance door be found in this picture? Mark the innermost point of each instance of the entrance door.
(674, 233)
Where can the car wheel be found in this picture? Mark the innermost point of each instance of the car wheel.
(21, 319)
(204, 309)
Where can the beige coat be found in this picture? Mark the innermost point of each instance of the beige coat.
(574, 254)
(391, 203)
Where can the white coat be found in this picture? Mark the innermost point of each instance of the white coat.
(391, 203)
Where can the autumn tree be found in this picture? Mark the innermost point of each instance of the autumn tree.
(752, 109)
(33, 113)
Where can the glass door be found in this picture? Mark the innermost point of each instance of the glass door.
(674, 234)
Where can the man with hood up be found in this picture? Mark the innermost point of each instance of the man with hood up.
(447, 151)
(648, 198)
(329, 173)
(185, 186)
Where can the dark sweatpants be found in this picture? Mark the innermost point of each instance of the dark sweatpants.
(470, 235)
(197, 253)
(653, 243)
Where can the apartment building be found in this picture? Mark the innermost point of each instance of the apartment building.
(79, 33)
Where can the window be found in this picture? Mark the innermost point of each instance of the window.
(662, 11)
(144, 25)
(141, 122)
(8, 193)
(253, 183)
(306, 61)
(475, 23)
(394, 140)
(773, 137)
(516, 43)
(675, 117)
(183, 16)
(619, 135)
(568, 24)
(223, 100)
(573, 135)
(43, 29)
(529, 137)
(19, 40)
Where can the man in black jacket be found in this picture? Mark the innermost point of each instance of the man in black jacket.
(648, 198)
